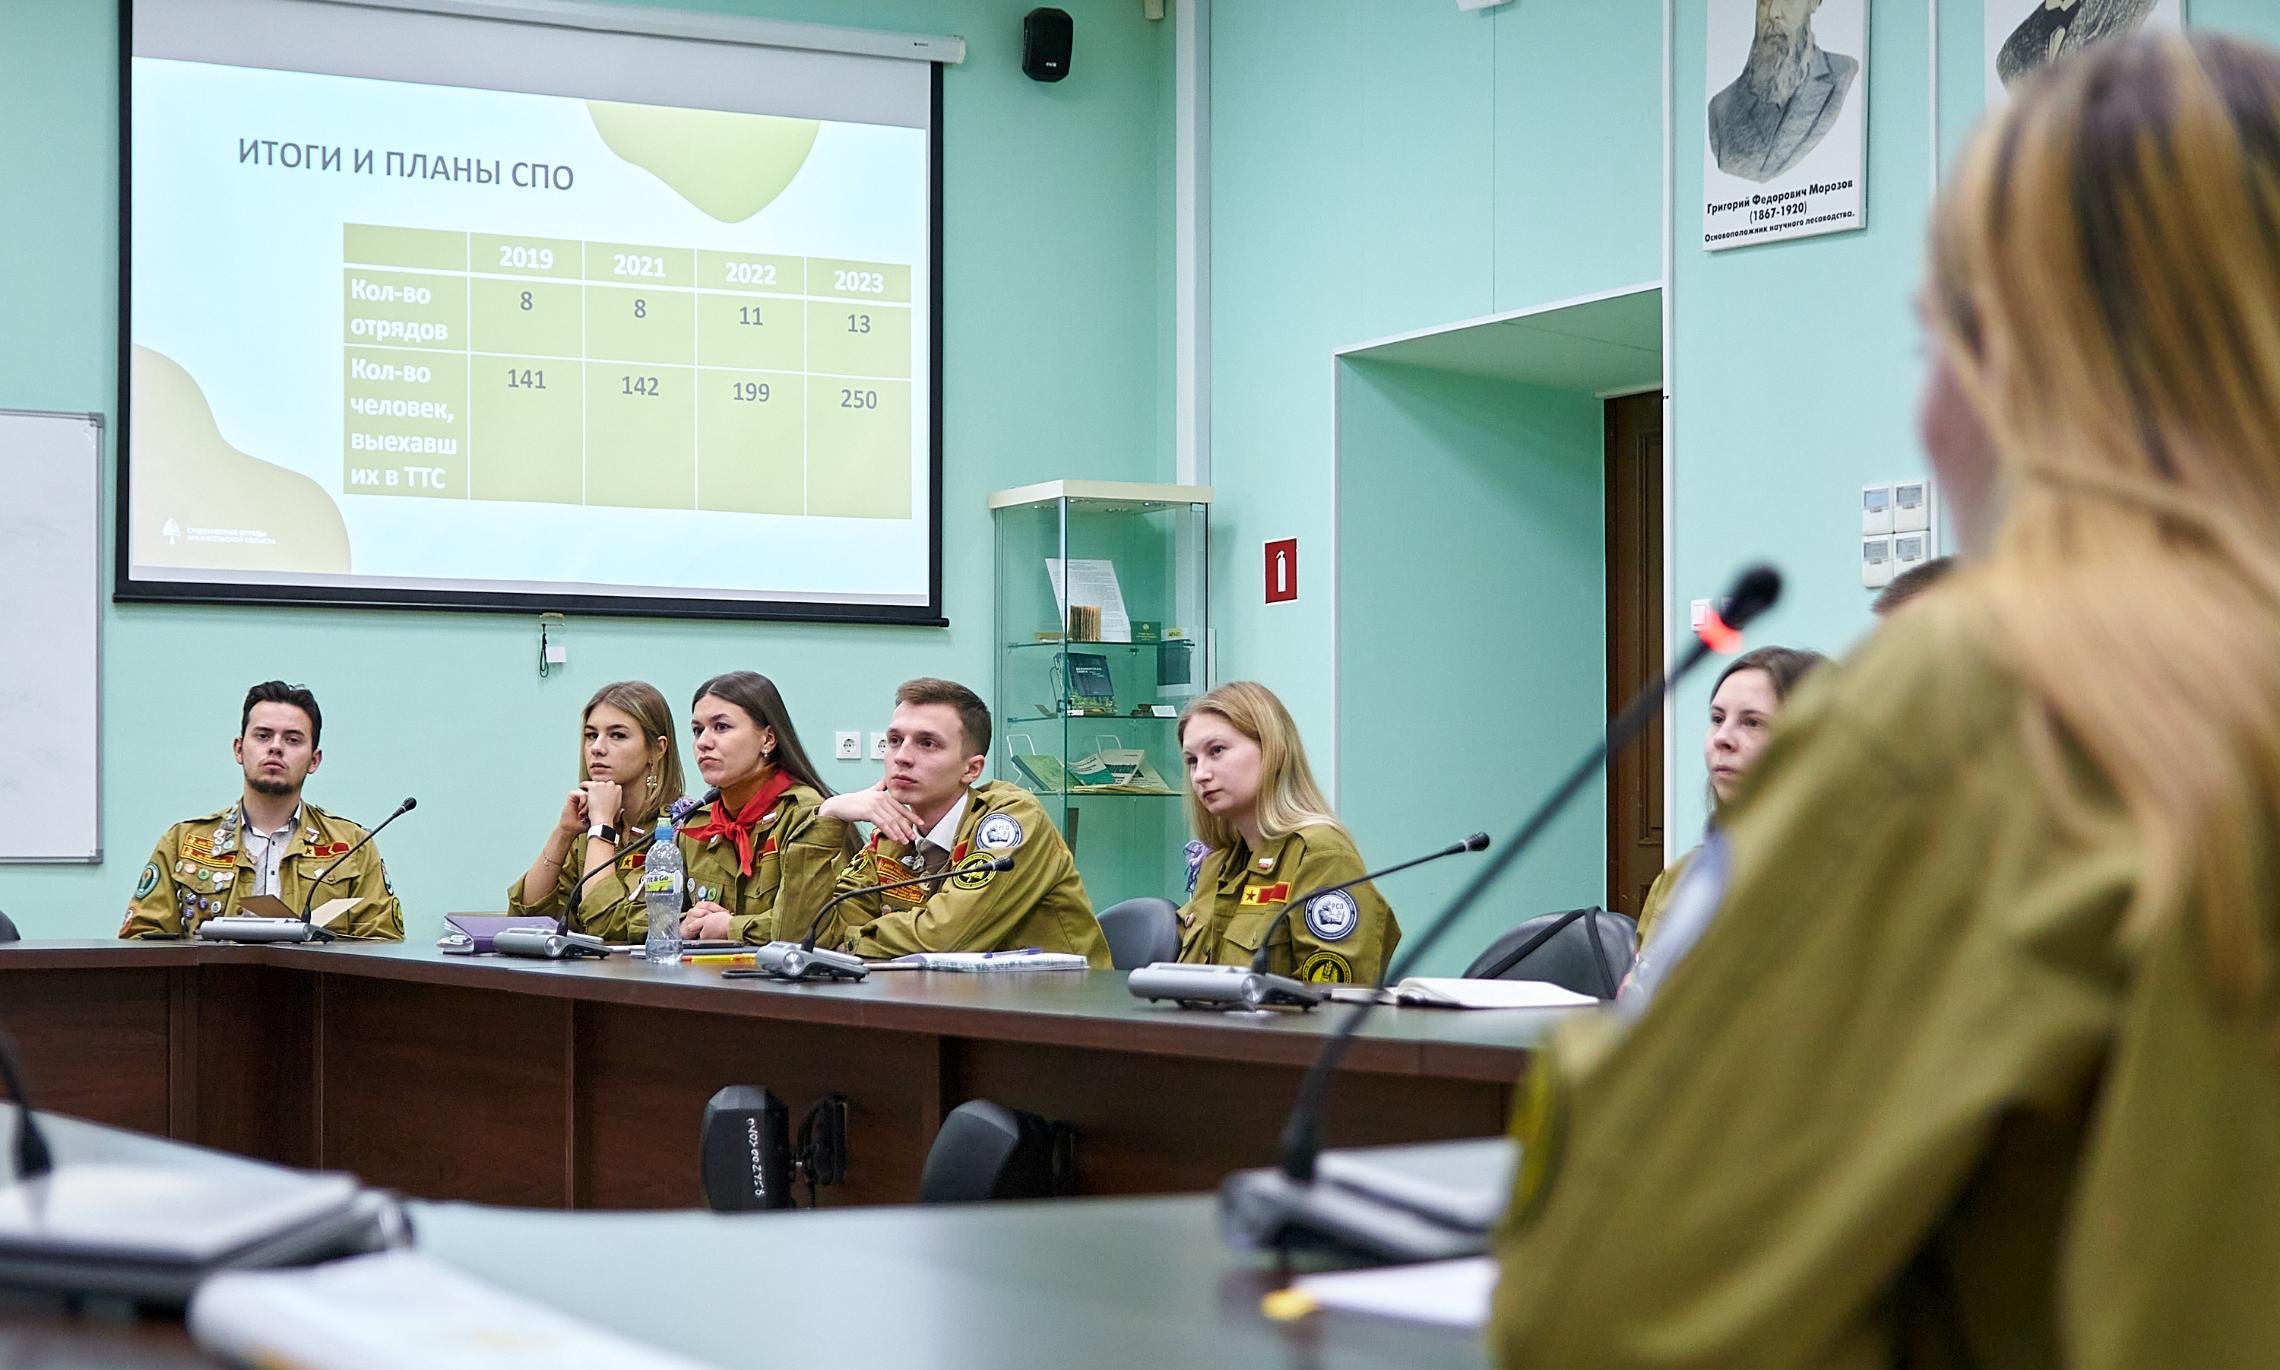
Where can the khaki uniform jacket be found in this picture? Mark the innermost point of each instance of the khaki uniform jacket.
(610, 906)
(796, 855)
(1040, 903)
(201, 869)
(1909, 1099)
(1658, 894)
(1239, 898)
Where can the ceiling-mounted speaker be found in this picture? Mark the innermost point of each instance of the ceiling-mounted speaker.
(1046, 36)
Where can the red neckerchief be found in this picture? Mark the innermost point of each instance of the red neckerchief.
(742, 825)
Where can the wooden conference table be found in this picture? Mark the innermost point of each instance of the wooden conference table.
(582, 1085)
(1076, 1282)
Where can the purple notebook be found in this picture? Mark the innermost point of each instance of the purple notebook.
(482, 927)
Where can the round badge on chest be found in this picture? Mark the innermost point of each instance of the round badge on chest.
(998, 832)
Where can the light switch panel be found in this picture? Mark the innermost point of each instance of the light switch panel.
(1876, 562)
(1875, 510)
(1912, 507)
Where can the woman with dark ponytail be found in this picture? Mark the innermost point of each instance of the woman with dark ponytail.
(761, 859)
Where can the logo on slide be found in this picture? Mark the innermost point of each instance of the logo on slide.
(172, 532)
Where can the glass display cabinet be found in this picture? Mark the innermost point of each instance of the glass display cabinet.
(1101, 640)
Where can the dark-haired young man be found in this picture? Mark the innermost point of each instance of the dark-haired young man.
(929, 813)
(269, 842)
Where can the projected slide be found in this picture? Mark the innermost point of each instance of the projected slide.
(390, 336)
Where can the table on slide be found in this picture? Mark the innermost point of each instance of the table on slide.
(479, 366)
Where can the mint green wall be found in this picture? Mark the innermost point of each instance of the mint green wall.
(1473, 634)
(1792, 371)
(1380, 166)
(1795, 365)
(1056, 319)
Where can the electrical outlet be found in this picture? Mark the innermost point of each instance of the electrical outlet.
(847, 746)
(878, 746)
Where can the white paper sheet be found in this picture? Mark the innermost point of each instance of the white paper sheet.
(1083, 580)
(1451, 992)
(1438, 1293)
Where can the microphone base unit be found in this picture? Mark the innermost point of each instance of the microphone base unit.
(791, 961)
(251, 928)
(543, 945)
(1266, 1210)
(1221, 987)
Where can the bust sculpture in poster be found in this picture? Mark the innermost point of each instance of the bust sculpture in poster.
(1786, 99)
(2055, 28)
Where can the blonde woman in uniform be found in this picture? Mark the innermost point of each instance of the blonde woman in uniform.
(1970, 1053)
(1749, 692)
(1270, 836)
(761, 859)
(629, 771)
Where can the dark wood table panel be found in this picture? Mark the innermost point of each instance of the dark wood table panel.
(256, 1048)
(96, 1044)
(552, 1084)
(447, 1093)
(643, 1076)
(1146, 1125)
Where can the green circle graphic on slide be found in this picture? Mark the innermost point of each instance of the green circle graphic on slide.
(730, 166)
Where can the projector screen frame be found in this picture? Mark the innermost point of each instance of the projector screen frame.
(128, 589)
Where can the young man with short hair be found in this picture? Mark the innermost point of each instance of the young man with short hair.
(269, 842)
(928, 814)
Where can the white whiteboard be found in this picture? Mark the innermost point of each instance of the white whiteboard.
(51, 601)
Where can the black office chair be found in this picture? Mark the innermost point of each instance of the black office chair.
(8, 931)
(989, 1151)
(1588, 951)
(1141, 932)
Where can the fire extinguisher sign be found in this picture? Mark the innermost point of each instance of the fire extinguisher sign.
(1282, 570)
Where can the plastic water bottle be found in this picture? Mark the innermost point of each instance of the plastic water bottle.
(662, 877)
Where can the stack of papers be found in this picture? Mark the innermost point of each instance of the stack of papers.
(130, 1212)
(1437, 992)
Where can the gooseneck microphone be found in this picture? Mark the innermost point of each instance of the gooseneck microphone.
(1477, 842)
(32, 1156)
(1283, 1208)
(309, 897)
(256, 928)
(562, 943)
(1196, 985)
(803, 961)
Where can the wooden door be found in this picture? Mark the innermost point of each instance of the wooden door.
(1634, 643)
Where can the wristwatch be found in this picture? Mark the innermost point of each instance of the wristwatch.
(605, 832)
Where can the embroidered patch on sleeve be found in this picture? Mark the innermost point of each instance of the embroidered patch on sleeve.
(1333, 916)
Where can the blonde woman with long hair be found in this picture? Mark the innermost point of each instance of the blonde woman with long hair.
(1269, 837)
(629, 771)
(1969, 1049)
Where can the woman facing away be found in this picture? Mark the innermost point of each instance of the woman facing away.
(1966, 1048)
